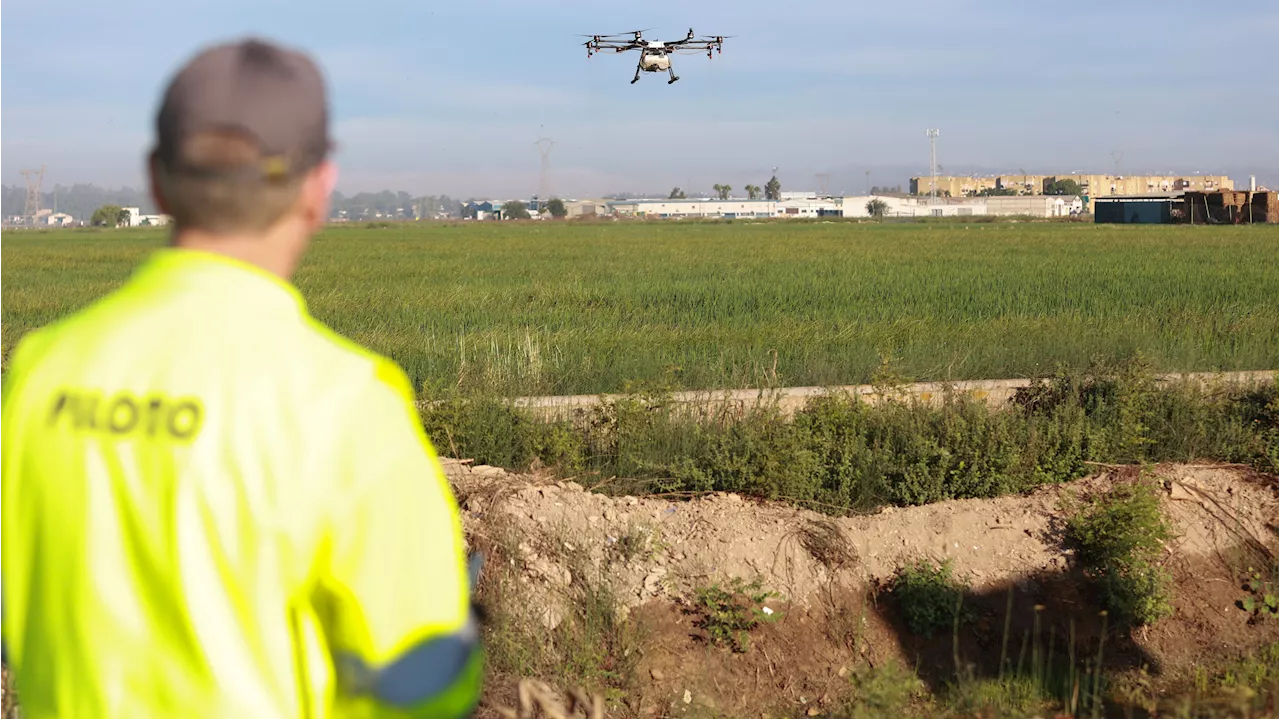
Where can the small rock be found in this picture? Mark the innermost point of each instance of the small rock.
(653, 580)
(657, 674)
(688, 697)
(1179, 492)
(813, 712)
(843, 672)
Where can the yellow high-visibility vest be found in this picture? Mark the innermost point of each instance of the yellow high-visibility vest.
(213, 506)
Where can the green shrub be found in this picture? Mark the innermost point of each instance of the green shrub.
(1117, 540)
(928, 597)
(728, 614)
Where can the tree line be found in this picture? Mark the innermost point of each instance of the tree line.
(772, 191)
(81, 201)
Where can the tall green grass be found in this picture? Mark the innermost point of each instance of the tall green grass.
(562, 308)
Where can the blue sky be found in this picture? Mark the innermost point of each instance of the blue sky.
(434, 98)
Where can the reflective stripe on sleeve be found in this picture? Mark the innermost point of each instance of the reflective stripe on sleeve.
(423, 673)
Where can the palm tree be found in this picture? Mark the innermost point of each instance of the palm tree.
(753, 192)
(723, 191)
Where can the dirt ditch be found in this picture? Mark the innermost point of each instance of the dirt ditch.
(826, 623)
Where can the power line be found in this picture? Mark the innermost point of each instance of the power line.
(544, 181)
(824, 180)
(32, 207)
(933, 161)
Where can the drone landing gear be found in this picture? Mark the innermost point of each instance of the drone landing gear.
(671, 71)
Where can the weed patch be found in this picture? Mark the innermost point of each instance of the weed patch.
(1117, 538)
(728, 613)
(1260, 598)
(928, 597)
(591, 645)
(887, 690)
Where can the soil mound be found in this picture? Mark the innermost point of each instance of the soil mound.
(656, 553)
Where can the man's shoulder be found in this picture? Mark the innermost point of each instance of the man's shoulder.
(352, 358)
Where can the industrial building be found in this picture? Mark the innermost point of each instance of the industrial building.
(1035, 205)
(1150, 209)
(1224, 207)
(1090, 185)
(137, 219)
(729, 209)
(804, 205)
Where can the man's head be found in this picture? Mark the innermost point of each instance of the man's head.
(243, 143)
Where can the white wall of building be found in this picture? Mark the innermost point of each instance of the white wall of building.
(851, 206)
(731, 208)
(696, 208)
(856, 206)
(1035, 205)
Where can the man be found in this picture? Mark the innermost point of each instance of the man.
(213, 506)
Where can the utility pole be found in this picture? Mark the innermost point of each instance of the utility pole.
(32, 206)
(544, 182)
(868, 182)
(933, 162)
(823, 182)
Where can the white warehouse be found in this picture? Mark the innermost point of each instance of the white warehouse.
(798, 206)
(733, 208)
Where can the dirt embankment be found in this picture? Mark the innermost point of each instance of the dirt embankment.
(656, 552)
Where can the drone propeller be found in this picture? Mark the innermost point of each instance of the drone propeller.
(633, 33)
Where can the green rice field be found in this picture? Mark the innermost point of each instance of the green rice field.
(569, 307)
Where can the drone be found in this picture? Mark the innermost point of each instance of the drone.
(654, 54)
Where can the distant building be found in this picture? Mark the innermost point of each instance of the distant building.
(581, 208)
(693, 208)
(799, 205)
(1090, 185)
(895, 206)
(59, 219)
(1035, 205)
(732, 208)
(1150, 209)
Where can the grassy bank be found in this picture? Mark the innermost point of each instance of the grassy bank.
(840, 454)
(565, 308)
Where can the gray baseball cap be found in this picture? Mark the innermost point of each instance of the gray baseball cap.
(274, 95)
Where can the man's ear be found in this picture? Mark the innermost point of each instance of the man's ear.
(318, 191)
(153, 181)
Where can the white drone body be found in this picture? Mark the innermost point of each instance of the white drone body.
(655, 55)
